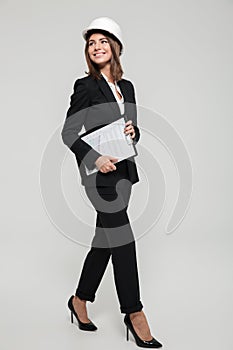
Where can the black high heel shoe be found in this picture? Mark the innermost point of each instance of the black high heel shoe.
(83, 326)
(153, 343)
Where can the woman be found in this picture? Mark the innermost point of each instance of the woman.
(99, 99)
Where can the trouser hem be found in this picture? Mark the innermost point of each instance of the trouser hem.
(84, 296)
(129, 310)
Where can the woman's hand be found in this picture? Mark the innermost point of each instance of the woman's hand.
(105, 163)
(129, 129)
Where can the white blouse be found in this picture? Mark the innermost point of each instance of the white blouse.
(115, 86)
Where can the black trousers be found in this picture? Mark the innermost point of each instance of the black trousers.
(113, 238)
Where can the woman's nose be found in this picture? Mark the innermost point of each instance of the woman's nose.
(97, 45)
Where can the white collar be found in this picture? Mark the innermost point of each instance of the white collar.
(106, 78)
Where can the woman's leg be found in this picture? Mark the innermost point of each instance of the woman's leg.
(124, 264)
(114, 230)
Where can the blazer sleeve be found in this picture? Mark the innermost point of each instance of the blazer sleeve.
(134, 117)
(75, 117)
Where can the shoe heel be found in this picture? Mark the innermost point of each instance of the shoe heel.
(127, 333)
(89, 326)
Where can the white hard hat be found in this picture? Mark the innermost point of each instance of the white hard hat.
(106, 24)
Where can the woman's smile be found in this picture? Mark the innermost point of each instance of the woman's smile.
(99, 54)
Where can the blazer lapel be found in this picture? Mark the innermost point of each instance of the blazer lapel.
(105, 88)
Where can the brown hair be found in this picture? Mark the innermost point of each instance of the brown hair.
(115, 65)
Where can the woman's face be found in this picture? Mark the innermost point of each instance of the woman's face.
(99, 49)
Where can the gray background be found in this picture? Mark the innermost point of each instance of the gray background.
(179, 55)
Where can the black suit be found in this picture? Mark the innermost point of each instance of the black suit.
(94, 105)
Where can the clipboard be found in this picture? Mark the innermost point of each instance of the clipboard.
(110, 140)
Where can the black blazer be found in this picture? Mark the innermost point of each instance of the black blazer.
(93, 105)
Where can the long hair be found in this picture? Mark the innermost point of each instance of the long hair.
(115, 65)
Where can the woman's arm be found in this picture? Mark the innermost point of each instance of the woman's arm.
(75, 117)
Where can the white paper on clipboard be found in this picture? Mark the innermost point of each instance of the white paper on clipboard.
(111, 140)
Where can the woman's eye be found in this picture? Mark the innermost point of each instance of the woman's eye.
(102, 42)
